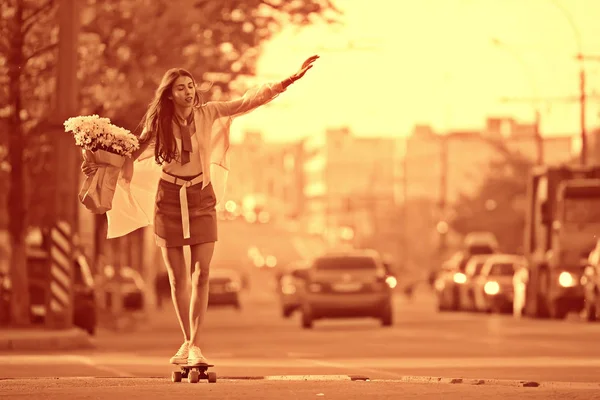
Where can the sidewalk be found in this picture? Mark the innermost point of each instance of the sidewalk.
(38, 338)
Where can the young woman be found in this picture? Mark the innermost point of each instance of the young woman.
(180, 171)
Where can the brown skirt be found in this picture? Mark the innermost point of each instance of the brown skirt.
(168, 226)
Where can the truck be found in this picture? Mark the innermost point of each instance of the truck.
(562, 225)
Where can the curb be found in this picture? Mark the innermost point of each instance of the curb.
(70, 339)
(313, 378)
(404, 379)
(494, 382)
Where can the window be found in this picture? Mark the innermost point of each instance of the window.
(502, 269)
(582, 210)
(345, 263)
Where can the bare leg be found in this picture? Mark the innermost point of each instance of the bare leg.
(178, 278)
(201, 256)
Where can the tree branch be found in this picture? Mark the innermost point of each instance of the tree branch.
(4, 44)
(41, 51)
(31, 19)
(266, 3)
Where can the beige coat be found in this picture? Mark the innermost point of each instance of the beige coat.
(133, 203)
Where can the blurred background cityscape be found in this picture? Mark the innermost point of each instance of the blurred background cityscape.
(420, 124)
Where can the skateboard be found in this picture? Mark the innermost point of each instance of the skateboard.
(194, 373)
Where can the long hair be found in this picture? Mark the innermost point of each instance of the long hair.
(159, 116)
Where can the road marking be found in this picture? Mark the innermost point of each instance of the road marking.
(307, 378)
(305, 355)
(58, 359)
(106, 361)
(221, 355)
(464, 362)
(300, 247)
(357, 368)
(89, 362)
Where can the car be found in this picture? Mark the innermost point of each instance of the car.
(480, 243)
(494, 287)
(288, 282)
(132, 286)
(224, 288)
(84, 302)
(466, 290)
(346, 284)
(449, 281)
(5, 293)
(84, 297)
(590, 280)
(5, 282)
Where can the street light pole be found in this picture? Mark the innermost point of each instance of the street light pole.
(527, 70)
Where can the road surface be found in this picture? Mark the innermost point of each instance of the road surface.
(496, 351)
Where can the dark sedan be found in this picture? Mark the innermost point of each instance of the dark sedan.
(224, 288)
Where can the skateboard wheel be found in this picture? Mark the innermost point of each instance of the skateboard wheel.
(212, 377)
(176, 376)
(193, 377)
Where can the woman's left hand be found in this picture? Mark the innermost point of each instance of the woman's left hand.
(127, 169)
(308, 64)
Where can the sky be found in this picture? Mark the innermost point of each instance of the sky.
(431, 62)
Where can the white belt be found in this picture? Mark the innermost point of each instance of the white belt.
(183, 201)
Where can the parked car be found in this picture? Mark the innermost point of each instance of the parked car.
(5, 292)
(5, 282)
(590, 280)
(224, 288)
(494, 290)
(288, 287)
(84, 302)
(346, 284)
(84, 298)
(132, 286)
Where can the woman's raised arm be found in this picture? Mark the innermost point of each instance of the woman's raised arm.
(260, 95)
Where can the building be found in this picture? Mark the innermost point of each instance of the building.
(265, 176)
(442, 166)
(349, 185)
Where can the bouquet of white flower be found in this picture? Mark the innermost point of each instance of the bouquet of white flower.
(105, 147)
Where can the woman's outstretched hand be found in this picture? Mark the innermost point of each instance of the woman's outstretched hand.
(308, 64)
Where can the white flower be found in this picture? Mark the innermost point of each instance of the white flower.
(93, 133)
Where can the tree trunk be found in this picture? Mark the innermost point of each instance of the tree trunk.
(17, 221)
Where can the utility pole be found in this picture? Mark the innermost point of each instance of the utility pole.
(582, 78)
(405, 206)
(534, 91)
(442, 226)
(582, 109)
(539, 140)
(64, 207)
(582, 99)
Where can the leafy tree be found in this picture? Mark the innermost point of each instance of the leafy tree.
(125, 46)
(26, 33)
(499, 204)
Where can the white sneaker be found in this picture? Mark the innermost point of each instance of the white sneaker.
(195, 356)
(181, 356)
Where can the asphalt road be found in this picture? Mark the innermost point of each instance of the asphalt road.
(257, 342)
(155, 389)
